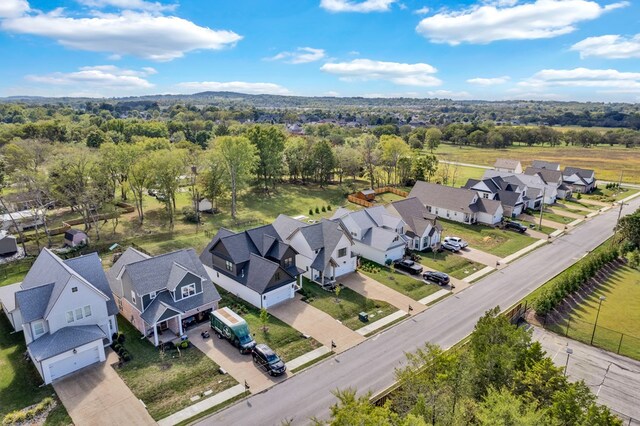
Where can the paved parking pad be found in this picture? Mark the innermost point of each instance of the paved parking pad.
(372, 289)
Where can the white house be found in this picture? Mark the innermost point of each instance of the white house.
(579, 180)
(422, 229)
(377, 235)
(457, 204)
(507, 165)
(532, 182)
(324, 249)
(256, 265)
(66, 311)
(510, 196)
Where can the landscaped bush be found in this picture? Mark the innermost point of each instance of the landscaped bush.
(571, 282)
(317, 210)
(324, 209)
(190, 215)
(22, 416)
(329, 207)
(184, 344)
(310, 212)
(116, 347)
(126, 357)
(121, 338)
(369, 267)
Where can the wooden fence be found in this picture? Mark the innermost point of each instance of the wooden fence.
(355, 200)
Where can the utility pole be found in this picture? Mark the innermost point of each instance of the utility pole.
(615, 230)
(620, 181)
(542, 207)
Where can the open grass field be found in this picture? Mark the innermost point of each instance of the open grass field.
(414, 288)
(492, 240)
(556, 217)
(458, 175)
(166, 383)
(19, 380)
(618, 327)
(607, 161)
(610, 195)
(346, 307)
(281, 337)
(450, 263)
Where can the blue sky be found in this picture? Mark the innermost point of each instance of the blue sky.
(486, 49)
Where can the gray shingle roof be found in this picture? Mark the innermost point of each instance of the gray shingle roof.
(488, 206)
(508, 198)
(153, 274)
(8, 296)
(505, 163)
(323, 236)
(548, 175)
(446, 197)
(63, 340)
(160, 308)
(130, 255)
(541, 164)
(414, 214)
(382, 239)
(285, 226)
(205, 258)
(33, 302)
(586, 175)
(90, 267)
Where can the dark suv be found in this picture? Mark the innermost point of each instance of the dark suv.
(516, 227)
(266, 358)
(439, 278)
(409, 266)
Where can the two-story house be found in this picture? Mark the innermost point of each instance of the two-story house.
(255, 265)
(548, 192)
(510, 196)
(507, 165)
(553, 177)
(422, 229)
(324, 249)
(162, 294)
(457, 204)
(66, 311)
(579, 180)
(377, 235)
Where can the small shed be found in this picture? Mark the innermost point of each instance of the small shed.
(367, 195)
(75, 237)
(205, 206)
(8, 244)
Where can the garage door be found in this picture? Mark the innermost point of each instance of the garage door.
(74, 362)
(277, 296)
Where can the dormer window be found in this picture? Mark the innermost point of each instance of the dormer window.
(153, 295)
(229, 265)
(188, 290)
(277, 276)
(38, 328)
(288, 262)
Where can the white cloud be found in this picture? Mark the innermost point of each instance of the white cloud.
(480, 81)
(418, 74)
(448, 94)
(609, 79)
(485, 23)
(364, 6)
(13, 8)
(141, 34)
(101, 80)
(422, 11)
(609, 46)
(129, 5)
(234, 86)
(301, 55)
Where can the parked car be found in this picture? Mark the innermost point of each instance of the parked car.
(456, 240)
(451, 247)
(439, 278)
(409, 266)
(516, 226)
(266, 358)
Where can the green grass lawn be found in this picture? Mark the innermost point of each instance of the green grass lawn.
(570, 209)
(577, 205)
(554, 217)
(19, 380)
(610, 195)
(619, 314)
(450, 263)
(414, 288)
(463, 174)
(492, 240)
(387, 197)
(545, 229)
(166, 384)
(346, 306)
(281, 337)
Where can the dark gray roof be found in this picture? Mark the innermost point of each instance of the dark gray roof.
(63, 340)
(153, 274)
(446, 197)
(131, 255)
(414, 214)
(548, 175)
(541, 164)
(90, 268)
(508, 198)
(585, 174)
(494, 184)
(33, 302)
(160, 309)
(205, 258)
(488, 206)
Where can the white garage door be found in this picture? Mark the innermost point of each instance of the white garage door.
(278, 296)
(74, 362)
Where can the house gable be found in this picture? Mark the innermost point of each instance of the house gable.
(188, 279)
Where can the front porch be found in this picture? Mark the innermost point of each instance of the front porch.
(325, 279)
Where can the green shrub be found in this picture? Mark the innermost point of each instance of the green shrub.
(324, 209)
(22, 416)
(317, 210)
(121, 338)
(329, 207)
(310, 212)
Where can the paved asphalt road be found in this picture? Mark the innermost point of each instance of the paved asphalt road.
(370, 365)
(613, 378)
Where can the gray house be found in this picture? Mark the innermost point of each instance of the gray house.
(66, 311)
(8, 244)
(579, 180)
(422, 229)
(162, 294)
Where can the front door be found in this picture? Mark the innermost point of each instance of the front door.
(164, 325)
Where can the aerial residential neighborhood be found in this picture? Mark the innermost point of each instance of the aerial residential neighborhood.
(328, 212)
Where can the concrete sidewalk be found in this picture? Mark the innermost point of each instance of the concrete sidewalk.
(96, 395)
(201, 406)
(522, 252)
(308, 357)
(316, 323)
(435, 296)
(381, 323)
(481, 273)
(372, 289)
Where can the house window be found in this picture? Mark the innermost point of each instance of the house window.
(87, 311)
(485, 195)
(69, 316)
(133, 296)
(152, 295)
(189, 290)
(342, 252)
(79, 315)
(288, 262)
(38, 328)
(276, 276)
(229, 265)
(74, 289)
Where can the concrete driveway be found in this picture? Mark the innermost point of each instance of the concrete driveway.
(316, 323)
(614, 379)
(96, 395)
(368, 287)
(478, 256)
(240, 367)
